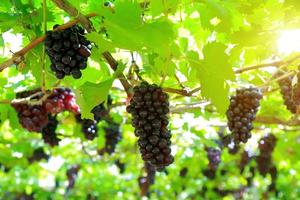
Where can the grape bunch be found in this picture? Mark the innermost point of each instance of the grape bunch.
(264, 159)
(72, 173)
(214, 157)
(68, 51)
(88, 127)
(31, 117)
(241, 113)
(61, 99)
(112, 137)
(38, 154)
(183, 172)
(149, 108)
(49, 132)
(100, 111)
(245, 159)
(286, 90)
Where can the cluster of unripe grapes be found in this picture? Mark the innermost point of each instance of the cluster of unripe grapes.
(68, 51)
(149, 107)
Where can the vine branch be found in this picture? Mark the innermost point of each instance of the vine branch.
(271, 64)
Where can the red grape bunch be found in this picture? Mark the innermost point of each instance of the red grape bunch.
(68, 51)
(149, 107)
(241, 113)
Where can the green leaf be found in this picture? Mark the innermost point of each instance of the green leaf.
(213, 72)
(90, 94)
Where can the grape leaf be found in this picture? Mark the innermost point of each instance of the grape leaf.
(90, 94)
(213, 73)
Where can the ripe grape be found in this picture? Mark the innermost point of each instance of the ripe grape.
(241, 113)
(286, 90)
(149, 107)
(68, 51)
(48, 132)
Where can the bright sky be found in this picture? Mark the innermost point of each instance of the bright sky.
(289, 42)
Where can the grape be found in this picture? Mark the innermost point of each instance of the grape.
(100, 111)
(209, 173)
(31, 117)
(68, 51)
(88, 127)
(72, 173)
(38, 155)
(264, 159)
(245, 159)
(48, 132)
(61, 99)
(183, 172)
(241, 113)
(214, 157)
(149, 108)
(112, 137)
(286, 90)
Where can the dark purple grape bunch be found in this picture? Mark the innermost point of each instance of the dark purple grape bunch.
(149, 108)
(241, 113)
(88, 127)
(68, 51)
(244, 160)
(286, 90)
(38, 154)
(32, 117)
(264, 159)
(296, 91)
(100, 111)
(214, 157)
(112, 137)
(49, 131)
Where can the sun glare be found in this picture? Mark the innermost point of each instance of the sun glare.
(289, 41)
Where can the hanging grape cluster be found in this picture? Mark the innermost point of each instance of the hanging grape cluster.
(112, 137)
(32, 117)
(264, 159)
(33, 111)
(149, 108)
(286, 90)
(88, 126)
(38, 154)
(68, 51)
(49, 132)
(241, 113)
(214, 157)
(245, 159)
(61, 99)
